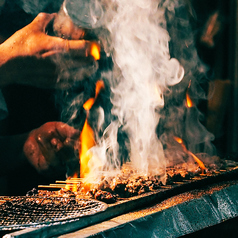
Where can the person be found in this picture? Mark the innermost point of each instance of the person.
(26, 58)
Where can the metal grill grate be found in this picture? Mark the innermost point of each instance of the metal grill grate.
(22, 212)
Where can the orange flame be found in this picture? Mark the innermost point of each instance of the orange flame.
(88, 104)
(71, 186)
(199, 162)
(87, 141)
(180, 141)
(95, 51)
(189, 102)
(87, 135)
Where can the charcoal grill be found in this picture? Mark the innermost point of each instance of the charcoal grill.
(126, 205)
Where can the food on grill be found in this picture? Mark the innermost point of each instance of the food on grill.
(105, 196)
(44, 207)
(128, 182)
(61, 193)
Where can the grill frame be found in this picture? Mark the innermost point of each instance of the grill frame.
(130, 204)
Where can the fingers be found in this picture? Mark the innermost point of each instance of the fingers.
(45, 147)
(51, 146)
(54, 136)
(57, 144)
(50, 53)
(43, 19)
(76, 48)
(66, 131)
(54, 45)
(90, 49)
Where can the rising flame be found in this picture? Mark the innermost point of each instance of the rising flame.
(199, 162)
(189, 102)
(72, 186)
(95, 51)
(87, 140)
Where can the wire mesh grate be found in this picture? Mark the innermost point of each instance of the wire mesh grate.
(21, 212)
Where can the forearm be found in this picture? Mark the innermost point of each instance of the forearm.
(11, 153)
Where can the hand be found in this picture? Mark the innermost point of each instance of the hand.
(50, 147)
(65, 28)
(26, 57)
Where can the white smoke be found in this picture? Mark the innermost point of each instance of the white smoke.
(147, 81)
(143, 70)
(155, 60)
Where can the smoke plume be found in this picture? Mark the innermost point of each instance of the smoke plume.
(153, 63)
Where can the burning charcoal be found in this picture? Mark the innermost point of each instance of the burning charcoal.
(105, 196)
(118, 186)
(132, 189)
(91, 192)
(105, 185)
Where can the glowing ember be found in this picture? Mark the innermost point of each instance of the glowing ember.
(199, 162)
(180, 141)
(87, 135)
(189, 102)
(95, 51)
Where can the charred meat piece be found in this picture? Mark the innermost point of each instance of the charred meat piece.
(104, 196)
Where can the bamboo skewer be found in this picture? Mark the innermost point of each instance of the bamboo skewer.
(222, 170)
(74, 179)
(196, 178)
(55, 186)
(67, 181)
(49, 186)
(166, 186)
(58, 184)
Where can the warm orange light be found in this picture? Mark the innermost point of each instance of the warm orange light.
(87, 140)
(189, 101)
(199, 162)
(89, 103)
(72, 186)
(179, 140)
(99, 87)
(95, 51)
